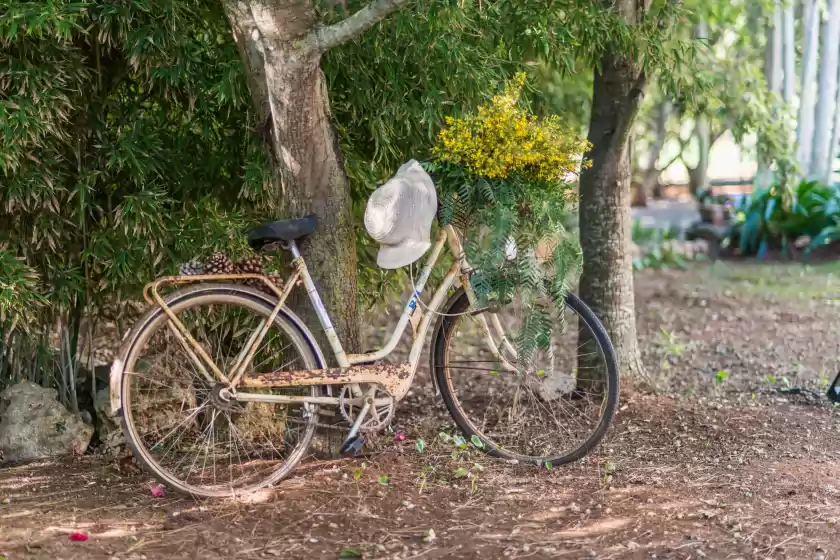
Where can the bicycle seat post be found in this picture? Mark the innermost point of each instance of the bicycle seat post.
(292, 247)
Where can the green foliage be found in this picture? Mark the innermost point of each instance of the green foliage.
(657, 248)
(724, 82)
(774, 217)
(505, 210)
(669, 346)
(125, 149)
(563, 93)
(391, 89)
(20, 298)
(502, 180)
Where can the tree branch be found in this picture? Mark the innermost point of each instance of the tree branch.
(324, 38)
(717, 134)
(670, 163)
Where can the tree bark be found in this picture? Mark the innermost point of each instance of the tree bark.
(280, 43)
(290, 95)
(650, 175)
(827, 93)
(807, 97)
(773, 75)
(773, 69)
(835, 143)
(788, 52)
(698, 177)
(606, 283)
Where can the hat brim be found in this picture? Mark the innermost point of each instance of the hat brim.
(398, 256)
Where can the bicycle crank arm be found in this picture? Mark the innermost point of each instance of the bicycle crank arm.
(395, 379)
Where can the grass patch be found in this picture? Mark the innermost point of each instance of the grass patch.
(788, 281)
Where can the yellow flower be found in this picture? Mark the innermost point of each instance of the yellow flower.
(503, 138)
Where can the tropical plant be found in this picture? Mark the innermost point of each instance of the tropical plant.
(504, 173)
(775, 217)
(657, 248)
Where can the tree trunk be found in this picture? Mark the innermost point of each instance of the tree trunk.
(281, 44)
(773, 69)
(698, 178)
(827, 92)
(650, 175)
(807, 97)
(658, 191)
(773, 75)
(314, 181)
(788, 52)
(835, 143)
(606, 284)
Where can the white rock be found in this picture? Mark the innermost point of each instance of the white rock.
(33, 425)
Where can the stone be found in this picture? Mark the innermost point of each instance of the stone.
(108, 427)
(34, 425)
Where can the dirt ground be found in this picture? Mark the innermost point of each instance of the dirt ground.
(725, 461)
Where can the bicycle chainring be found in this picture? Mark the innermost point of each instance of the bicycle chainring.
(378, 417)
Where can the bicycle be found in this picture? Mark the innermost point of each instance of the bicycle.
(252, 409)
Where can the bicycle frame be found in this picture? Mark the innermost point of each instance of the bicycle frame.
(354, 369)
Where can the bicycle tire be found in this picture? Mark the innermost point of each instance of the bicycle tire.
(156, 318)
(459, 303)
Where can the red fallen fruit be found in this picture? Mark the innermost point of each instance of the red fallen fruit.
(400, 436)
(78, 537)
(158, 491)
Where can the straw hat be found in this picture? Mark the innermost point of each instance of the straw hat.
(399, 216)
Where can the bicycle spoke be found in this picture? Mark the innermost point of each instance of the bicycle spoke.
(190, 433)
(549, 409)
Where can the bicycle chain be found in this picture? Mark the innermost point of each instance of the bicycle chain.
(336, 427)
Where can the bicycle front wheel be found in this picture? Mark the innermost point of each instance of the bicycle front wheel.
(556, 410)
(179, 427)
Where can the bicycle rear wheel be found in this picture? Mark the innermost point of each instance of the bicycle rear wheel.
(555, 414)
(177, 425)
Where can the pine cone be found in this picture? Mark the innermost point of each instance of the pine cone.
(259, 284)
(218, 264)
(249, 265)
(276, 279)
(192, 268)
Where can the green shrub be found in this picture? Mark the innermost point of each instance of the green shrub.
(657, 247)
(125, 148)
(774, 217)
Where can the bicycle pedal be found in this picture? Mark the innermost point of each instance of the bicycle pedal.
(352, 446)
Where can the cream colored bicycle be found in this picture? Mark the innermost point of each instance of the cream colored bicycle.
(219, 385)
